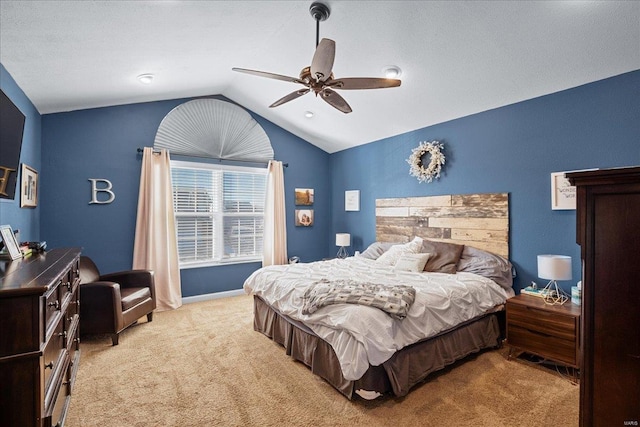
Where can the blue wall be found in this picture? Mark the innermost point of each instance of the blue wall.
(27, 220)
(101, 143)
(511, 149)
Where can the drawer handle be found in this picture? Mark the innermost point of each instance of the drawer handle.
(68, 285)
(539, 333)
(63, 334)
(49, 365)
(55, 305)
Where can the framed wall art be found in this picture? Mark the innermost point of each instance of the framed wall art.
(28, 187)
(563, 194)
(352, 200)
(304, 217)
(304, 196)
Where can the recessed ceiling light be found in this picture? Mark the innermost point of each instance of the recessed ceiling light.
(392, 72)
(145, 78)
(308, 114)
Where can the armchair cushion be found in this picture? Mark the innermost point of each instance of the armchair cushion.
(133, 296)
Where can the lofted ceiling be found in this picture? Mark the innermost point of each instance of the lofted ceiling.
(457, 57)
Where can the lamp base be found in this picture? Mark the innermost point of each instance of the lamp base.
(553, 294)
(342, 253)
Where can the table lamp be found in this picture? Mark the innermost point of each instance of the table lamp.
(554, 267)
(343, 240)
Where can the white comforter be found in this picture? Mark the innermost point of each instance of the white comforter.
(362, 335)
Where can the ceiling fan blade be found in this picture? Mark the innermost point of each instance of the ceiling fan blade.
(352, 83)
(269, 75)
(322, 62)
(332, 98)
(290, 97)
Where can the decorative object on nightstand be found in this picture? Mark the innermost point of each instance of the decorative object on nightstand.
(554, 267)
(343, 240)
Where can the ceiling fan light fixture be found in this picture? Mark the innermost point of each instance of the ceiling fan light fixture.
(318, 78)
(145, 79)
(308, 114)
(392, 72)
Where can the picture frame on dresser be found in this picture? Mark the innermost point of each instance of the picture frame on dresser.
(10, 243)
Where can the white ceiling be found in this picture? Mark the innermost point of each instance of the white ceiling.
(457, 57)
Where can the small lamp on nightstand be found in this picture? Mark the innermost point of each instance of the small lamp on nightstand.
(343, 240)
(554, 267)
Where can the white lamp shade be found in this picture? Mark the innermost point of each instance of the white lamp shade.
(343, 239)
(554, 267)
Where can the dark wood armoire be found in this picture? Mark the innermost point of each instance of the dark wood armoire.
(608, 232)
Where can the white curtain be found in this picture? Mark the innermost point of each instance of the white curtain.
(274, 249)
(155, 246)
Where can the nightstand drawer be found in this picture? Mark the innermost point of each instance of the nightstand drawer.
(544, 322)
(542, 344)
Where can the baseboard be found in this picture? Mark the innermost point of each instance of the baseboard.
(216, 295)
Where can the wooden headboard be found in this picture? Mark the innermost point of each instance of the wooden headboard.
(478, 220)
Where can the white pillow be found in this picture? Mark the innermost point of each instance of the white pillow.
(395, 252)
(412, 262)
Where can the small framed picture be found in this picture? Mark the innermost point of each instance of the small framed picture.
(28, 187)
(563, 194)
(352, 200)
(304, 217)
(304, 196)
(10, 242)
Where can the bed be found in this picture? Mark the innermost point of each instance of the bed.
(428, 292)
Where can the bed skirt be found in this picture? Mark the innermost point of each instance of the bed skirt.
(403, 370)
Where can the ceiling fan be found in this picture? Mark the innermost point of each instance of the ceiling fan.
(319, 76)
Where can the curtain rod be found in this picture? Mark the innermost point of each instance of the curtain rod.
(286, 165)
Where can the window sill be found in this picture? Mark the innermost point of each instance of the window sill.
(191, 265)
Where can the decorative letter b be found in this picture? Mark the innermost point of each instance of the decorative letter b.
(95, 189)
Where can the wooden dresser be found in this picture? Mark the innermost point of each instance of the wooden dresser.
(608, 232)
(39, 330)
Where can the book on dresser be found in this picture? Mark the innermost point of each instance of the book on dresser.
(39, 343)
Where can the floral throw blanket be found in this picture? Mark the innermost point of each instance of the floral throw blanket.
(394, 300)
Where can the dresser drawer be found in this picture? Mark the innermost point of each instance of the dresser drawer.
(57, 406)
(53, 354)
(72, 310)
(52, 307)
(542, 321)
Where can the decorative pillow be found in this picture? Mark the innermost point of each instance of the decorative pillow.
(445, 256)
(412, 262)
(395, 252)
(376, 249)
(486, 264)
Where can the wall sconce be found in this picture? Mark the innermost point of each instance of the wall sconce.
(554, 267)
(343, 240)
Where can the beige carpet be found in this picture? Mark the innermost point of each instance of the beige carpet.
(203, 365)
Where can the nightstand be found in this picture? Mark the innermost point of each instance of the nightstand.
(549, 331)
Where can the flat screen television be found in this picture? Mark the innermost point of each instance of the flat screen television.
(11, 131)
